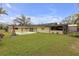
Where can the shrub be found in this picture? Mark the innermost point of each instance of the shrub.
(74, 34)
(52, 32)
(13, 34)
(1, 36)
(57, 32)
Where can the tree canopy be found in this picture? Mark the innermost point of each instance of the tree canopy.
(73, 19)
(3, 11)
(23, 20)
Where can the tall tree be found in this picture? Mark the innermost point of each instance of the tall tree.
(22, 20)
(67, 20)
(3, 11)
(77, 19)
(73, 19)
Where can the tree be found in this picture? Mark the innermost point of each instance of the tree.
(22, 20)
(73, 19)
(67, 20)
(77, 19)
(3, 11)
(78, 26)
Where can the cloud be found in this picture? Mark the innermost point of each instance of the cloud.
(6, 19)
(45, 19)
(42, 19)
(8, 5)
(34, 19)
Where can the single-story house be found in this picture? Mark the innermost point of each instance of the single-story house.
(44, 28)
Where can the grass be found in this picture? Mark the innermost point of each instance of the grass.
(74, 34)
(39, 44)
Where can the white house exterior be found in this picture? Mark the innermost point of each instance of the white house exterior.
(72, 28)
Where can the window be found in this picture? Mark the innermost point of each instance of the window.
(16, 28)
(56, 28)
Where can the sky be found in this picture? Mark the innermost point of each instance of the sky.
(39, 12)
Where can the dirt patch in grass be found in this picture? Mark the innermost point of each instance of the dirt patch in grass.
(75, 45)
(74, 48)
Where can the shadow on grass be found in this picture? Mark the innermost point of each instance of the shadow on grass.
(74, 34)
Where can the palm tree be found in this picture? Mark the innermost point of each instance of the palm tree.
(22, 20)
(3, 11)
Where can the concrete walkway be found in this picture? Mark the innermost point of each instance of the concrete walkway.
(23, 33)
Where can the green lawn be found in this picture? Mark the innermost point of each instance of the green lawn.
(39, 44)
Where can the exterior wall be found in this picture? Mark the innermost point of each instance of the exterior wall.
(72, 28)
(21, 29)
(43, 29)
(56, 31)
(47, 30)
(17, 30)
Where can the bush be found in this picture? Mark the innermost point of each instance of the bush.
(52, 32)
(13, 34)
(1, 36)
(57, 33)
(74, 34)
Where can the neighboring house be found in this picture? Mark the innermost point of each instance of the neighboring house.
(72, 22)
(72, 28)
(44, 28)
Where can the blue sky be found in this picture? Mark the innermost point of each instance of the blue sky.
(39, 12)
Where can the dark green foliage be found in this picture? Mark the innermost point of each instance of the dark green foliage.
(74, 34)
(1, 36)
(78, 27)
(3, 27)
(3, 11)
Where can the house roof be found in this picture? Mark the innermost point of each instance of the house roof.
(51, 24)
(47, 25)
